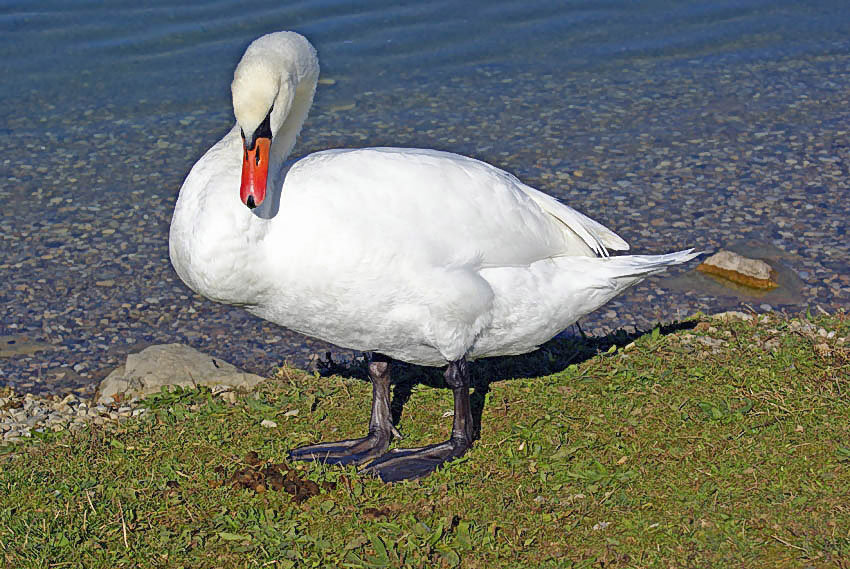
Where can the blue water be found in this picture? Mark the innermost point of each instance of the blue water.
(93, 50)
(676, 123)
(62, 59)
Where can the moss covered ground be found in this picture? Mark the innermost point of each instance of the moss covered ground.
(709, 443)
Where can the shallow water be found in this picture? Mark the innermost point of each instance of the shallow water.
(699, 125)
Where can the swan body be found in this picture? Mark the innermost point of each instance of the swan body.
(423, 256)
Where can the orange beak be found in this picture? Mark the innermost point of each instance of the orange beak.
(255, 172)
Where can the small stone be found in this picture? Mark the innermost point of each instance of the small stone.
(711, 342)
(342, 107)
(733, 316)
(268, 424)
(823, 350)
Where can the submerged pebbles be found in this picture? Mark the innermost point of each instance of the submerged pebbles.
(669, 153)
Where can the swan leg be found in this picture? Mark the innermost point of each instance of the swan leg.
(381, 430)
(408, 464)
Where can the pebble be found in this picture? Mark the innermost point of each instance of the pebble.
(23, 414)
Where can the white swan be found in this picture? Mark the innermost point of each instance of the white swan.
(424, 256)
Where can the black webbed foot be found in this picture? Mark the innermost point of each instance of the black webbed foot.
(381, 429)
(412, 463)
(408, 464)
(351, 451)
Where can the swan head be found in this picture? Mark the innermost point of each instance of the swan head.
(265, 88)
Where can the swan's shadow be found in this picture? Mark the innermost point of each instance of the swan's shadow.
(552, 357)
(271, 205)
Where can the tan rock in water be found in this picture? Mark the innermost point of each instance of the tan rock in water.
(754, 273)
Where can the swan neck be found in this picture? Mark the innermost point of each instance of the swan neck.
(284, 138)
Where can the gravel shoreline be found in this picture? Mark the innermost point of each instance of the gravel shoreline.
(22, 414)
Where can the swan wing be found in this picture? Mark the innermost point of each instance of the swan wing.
(450, 208)
(594, 234)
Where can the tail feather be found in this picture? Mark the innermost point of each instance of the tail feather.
(536, 302)
(604, 278)
(641, 266)
(621, 272)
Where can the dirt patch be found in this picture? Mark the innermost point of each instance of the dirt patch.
(262, 475)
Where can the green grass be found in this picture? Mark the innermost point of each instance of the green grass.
(665, 453)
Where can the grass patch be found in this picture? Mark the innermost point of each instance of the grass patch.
(709, 444)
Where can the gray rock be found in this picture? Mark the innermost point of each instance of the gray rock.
(170, 365)
(733, 316)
